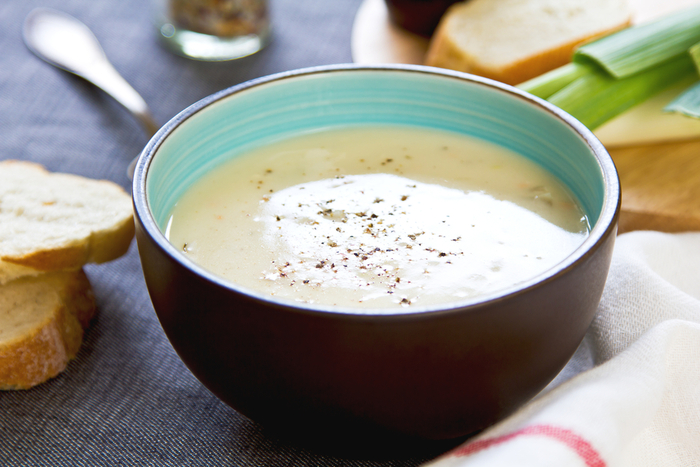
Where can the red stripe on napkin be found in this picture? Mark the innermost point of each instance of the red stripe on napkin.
(579, 445)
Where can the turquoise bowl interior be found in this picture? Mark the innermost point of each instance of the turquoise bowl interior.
(292, 104)
(263, 111)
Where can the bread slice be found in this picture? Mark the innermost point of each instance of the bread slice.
(514, 40)
(41, 326)
(53, 222)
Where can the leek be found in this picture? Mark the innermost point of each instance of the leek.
(641, 47)
(695, 55)
(598, 97)
(545, 85)
(687, 103)
(613, 74)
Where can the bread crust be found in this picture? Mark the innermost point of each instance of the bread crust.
(50, 226)
(106, 241)
(444, 52)
(44, 348)
(99, 247)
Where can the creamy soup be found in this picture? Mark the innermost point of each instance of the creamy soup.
(378, 217)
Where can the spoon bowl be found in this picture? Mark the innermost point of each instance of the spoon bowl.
(67, 43)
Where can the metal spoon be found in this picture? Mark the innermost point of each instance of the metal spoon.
(65, 42)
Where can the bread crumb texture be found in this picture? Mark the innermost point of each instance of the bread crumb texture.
(42, 320)
(515, 40)
(53, 222)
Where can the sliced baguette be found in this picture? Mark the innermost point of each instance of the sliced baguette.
(53, 222)
(514, 40)
(41, 326)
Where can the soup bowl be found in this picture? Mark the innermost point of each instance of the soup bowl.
(428, 373)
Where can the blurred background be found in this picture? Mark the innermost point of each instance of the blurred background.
(47, 112)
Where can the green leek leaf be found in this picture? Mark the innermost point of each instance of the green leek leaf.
(687, 103)
(597, 97)
(694, 52)
(547, 84)
(635, 49)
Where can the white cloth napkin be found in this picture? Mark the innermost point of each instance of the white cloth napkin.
(640, 403)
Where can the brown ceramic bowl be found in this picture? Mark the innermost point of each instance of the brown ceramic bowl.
(432, 373)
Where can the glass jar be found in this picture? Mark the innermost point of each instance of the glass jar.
(213, 29)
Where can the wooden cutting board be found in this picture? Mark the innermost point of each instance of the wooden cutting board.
(660, 182)
(660, 186)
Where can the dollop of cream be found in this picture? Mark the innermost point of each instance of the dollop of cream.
(380, 236)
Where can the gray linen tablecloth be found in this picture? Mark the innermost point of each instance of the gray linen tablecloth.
(127, 399)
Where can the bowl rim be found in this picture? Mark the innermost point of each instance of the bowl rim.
(606, 225)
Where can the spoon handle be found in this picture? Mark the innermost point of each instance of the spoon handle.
(105, 77)
(67, 43)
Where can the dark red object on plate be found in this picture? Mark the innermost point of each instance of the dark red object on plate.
(418, 16)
